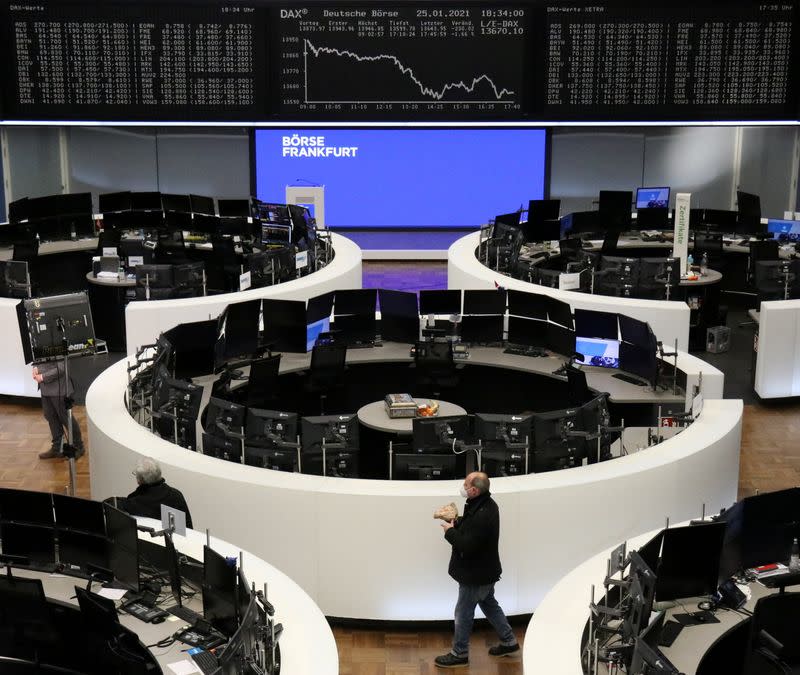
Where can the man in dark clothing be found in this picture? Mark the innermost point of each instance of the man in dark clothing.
(152, 492)
(54, 388)
(475, 565)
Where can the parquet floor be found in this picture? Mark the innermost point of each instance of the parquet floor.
(770, 460)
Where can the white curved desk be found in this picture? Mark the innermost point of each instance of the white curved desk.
(370, 549)
(145, 321)
(668, 319)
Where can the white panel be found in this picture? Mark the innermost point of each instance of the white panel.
(777, 368)
(15, 374)
(766, 170)
(34, 162)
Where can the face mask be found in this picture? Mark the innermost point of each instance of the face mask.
(463, 491)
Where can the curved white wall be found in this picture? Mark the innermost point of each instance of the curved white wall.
(668, 319)
(371, 549)
(146, 320)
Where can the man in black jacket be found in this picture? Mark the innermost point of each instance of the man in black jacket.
(152, 492)
(475, 565)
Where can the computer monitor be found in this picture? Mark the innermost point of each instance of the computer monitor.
(222, 447)
(543, 222)
(511, 219)
(652, 198)
(355, 329)
(123, 546)
(114, 201)
(83, 515)
(222, 416)
(560, 340)
(485, 301)
(429, 466)
(591, 417)
(440, 302)
(78, 549)
(648, 660)
(527, 332)
(529, 305)
(482, 328)
(44, 318)
(35, 542)
(276, 235)
(219, 591)
(26, 506)
(175, 203)
(234, 208)
(201, 223)
(277, 459)
(597, 352)
(559, 312)
(273, 213)
(593, 324)
(318, 317)
(748, 208)
(650, 552)
(145, 201)
(769, 525)
(340, 436)
(285, 325)
(614, 209)
(201, 204)
(356, 301)
(634, 331)
(496, 432)
(553, 448)
(437, 434)
(784, 230)
(689, 565)
(639, 361)
(543, 209)
(237, 333)
(24, 607)
(399, 316)
(270, 428)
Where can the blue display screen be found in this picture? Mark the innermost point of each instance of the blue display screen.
(784, 229)
(405, 177)
(597, 352)
(652, 198)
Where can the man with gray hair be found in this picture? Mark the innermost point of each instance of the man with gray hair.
(475, 565)
(152, 492)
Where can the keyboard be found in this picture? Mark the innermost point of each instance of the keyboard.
(669, 632)
(204, 660)
(188, 615)
(143, 612)
(628, 379)
(525, 351)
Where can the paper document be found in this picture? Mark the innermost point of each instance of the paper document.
(184, 667)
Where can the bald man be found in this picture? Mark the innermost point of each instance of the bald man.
(475, 565)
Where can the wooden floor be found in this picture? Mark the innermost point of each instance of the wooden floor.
(770, 460)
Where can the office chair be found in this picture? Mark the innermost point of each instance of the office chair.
(570, 250)
(577, 389)
(26, 250)
(711, 244)
(775, 615)
(435, 367)
(327, 371)
(549, 278)
(760, 250)
(262, 387)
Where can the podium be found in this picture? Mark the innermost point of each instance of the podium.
(309, 195)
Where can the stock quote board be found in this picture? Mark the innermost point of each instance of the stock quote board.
(196, 61)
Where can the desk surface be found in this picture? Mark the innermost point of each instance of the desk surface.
(114, 282)
(374, 416)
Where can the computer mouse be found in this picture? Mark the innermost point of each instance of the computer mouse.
(158, 619)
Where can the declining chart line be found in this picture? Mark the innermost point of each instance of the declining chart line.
(406, 70)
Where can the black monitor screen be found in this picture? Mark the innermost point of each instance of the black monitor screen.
(511, 219)
(24, 506)
(201, 204)
(438, 433)
(485, 302)
(559, 312)
(638, 361)
(749, 213)
(237, 332)
(319, 307)
(277, 459)
(35, 542)
(553, 448)
(114, 201)
(633, 331)
(398, 303)
(689, 565)
(769, 525)
(560, 340)
(233, 208)
(440, 302)
(146, 201)
(543, 209)
(222, 415)
(615, 209)
(591, 324)
(79, 514)
(267, 428)
(360, 301)
(339, 432)
(80, 550)
(496, 432)
(177, 203)
(482, 329)
(428, 466)
(527, 332)
(530, 305)
(285, 325)
(650, 552)
(219, 591)
(123, 546)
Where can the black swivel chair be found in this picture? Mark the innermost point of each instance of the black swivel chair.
(577, 389)
(760, 250)
(327, 371)
(262, 387)
(435, 367)
(774, 621)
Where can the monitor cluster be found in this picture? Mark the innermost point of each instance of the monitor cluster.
(702, 560)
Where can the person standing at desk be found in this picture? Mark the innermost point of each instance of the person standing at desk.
(475, 565)
(55, 389)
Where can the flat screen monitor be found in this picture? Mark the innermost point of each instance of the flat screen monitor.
(276, 459)
(222, 416)
(648, 660)
(511, 219)
(319, 307)
(560, 340)
(652, 198)
(237, 332)
(784, 230)
(598, 352)
(592, 324)
(530, 305)
(276, 234)
(273, 213)
(201, 204)
(35, 542)
(26, 506)
(361, 301)
(123, 546)
(553, 448)
(430, 466)
(399, 316)
(175, 203)
(269, 428)
(614, 209)
(641, 594)
(80, 550)
(527, 332)
(559, 312)
(18, 210)
(482, 329)
(440, 302)
(219, 591)
(748, 213)
(314, 330)
(233, 208)
(193, 348)
(73, 312)
(496, 432)
(732, 555)
(689, 565)
(145, 201)
(437, 434)
(222, 447)
(74, 513)
(339, 433)
(548, 230)
(355, 329)
(770, 523)
(540, 210)
(285, 325)
(202, 223)
(114, 202)
(485, 301)
(635, 332)
(650, 552)
(639, 361)
(24, 607)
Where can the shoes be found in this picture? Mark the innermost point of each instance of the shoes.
(503, 650)
(80, 452)
(52, 453)
(451, 661)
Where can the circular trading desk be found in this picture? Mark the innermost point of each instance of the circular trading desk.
(374, 416)
(146, 320)
(370, 549)
(669, 319)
